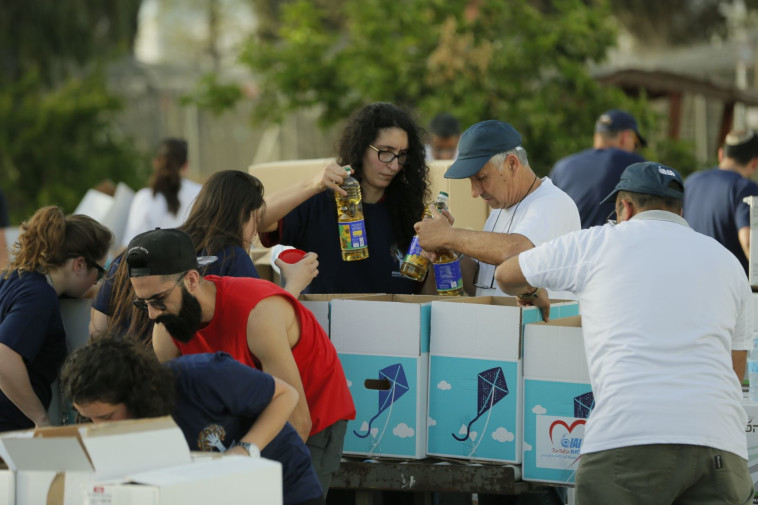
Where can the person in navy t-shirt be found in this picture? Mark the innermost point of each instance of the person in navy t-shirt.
(219, 404)
(588, 176)
(383, 149)
(56, 255)
(713, 199)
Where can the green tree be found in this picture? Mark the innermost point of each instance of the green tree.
(520, 61)
(57, 137)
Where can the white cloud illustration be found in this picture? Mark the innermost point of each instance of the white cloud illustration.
(402, 430)
(502, 435)
(527, 447)
(431, 422)
(444, 385)
(539, 409)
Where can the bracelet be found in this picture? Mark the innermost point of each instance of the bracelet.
(252, 450)
(528, 297)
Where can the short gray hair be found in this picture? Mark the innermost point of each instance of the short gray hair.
(519, 152)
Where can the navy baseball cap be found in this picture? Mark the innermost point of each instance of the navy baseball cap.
(479, 143)
(163, 252)
(649, 178)
(616, 120)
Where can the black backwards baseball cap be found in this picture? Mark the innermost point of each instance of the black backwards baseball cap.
(616, 120)
(163, 252)
(649, 178)
(479, 144)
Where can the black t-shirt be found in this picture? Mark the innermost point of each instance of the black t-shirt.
(312, 226)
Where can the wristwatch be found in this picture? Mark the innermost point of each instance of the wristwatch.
(251, 449)
(528, 297)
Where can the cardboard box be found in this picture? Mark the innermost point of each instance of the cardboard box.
(475, 398)
(753, 260)
(320, 305)
(384, 350)
(231, 480)
(751, 430)
(7, 487)
(59, 464)
(558, 400)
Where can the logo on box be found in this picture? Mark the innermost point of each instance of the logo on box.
(559, 440)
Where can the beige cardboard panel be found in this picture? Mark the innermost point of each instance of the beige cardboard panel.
(555, 352)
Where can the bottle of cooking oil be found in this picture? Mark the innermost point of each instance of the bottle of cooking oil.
(414, 265)
(352, 229)
(447, 273)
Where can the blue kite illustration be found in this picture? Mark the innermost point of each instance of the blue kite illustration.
(583, 405)
(398, 386)
(492, 388)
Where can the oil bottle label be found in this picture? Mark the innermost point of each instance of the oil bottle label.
(352, 235)
(413, 250)
(448, 275)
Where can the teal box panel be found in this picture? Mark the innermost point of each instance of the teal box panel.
(474, 409)
(555, 414)
(387, 420)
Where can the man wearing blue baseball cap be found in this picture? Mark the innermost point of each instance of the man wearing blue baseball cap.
(527, 210)
(666, 321)
(587, 176)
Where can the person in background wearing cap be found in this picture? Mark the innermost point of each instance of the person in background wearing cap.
(714, 202)
(666, 319)
(444, 132)
(527, 210)
(589, 175)
(219, 404)
(256, 322)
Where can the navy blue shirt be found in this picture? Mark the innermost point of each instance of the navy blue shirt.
(713, 206)
(232, 261)
(31, 325)
(588, 177)
(312, 226)
(219, 399)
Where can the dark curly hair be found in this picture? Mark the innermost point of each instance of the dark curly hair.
(117, 370)
(408, 192)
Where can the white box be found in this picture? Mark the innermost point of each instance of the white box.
(384, 350)
(231, 480)
(475, 398)
(558, 400)
(751, 430)
(320, 305)
(753, 260)
(65, 461)
(7, 488)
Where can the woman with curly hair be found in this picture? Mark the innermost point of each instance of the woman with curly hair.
(218, 403)
(222, 223)
(169, 195)
(382, 147)
(54, 255)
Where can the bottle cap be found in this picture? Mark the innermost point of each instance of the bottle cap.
(291, 255)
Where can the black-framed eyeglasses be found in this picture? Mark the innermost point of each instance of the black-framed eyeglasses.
(389, 156)
(100, 270)
(156, 302)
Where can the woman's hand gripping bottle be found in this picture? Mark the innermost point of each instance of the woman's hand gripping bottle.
(352, 229)
(414, 265)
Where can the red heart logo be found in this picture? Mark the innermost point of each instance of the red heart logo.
(568, 428)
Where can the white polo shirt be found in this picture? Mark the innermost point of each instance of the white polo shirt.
(543, 215)
(662, 308)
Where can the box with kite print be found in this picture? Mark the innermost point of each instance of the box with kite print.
(384, 350)
(558, 400)
(475, 399)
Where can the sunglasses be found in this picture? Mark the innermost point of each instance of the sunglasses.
(157, 302)
(100, 270)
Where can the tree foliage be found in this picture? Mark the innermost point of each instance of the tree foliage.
(520, 61)
(57, 137)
